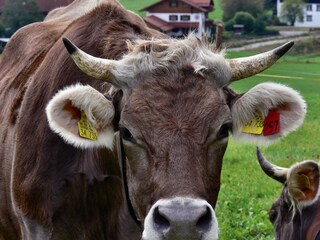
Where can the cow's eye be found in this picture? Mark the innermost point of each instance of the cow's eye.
(224, 131)
(126, 134)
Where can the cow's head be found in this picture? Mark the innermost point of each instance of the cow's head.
(296, 214)
(171, 103)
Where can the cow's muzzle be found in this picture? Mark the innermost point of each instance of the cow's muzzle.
(181, 219)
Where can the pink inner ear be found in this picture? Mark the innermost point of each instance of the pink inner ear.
(311, 192)
(75, 112)
(303, 185)
(282, 107)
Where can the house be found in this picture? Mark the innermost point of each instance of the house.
(311, 13)
(45, 6)
(179, 17)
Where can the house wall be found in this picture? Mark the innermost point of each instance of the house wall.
(173, 11)
(164, 7)
(311, 16)
(198, 18)
(194, 17)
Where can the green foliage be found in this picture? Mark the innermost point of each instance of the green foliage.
(259, 25)
(228, 26)
(268, 16)
(2, 30)
(246, 19)
(278, 22)
(18, 13)
(231, 7)
(293, 10)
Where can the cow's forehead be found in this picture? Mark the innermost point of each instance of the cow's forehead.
(192, 105)
(168, 56)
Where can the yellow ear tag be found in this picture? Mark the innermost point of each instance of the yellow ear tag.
(85, 128)
(254, 126)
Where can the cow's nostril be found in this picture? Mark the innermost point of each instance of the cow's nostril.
(161, 222)
(204, 222)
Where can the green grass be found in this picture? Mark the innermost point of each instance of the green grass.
(217, 13)
(247, 193)
(137, 5)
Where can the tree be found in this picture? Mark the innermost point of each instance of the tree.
(293, 10)
(18, 13)
(231, 7)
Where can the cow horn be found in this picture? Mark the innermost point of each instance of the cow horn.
(248, 66)
(98, 68)
(277, 173)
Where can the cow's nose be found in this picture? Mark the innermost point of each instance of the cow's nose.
(183, 219)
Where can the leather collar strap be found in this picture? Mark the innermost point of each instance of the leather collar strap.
(122, 164)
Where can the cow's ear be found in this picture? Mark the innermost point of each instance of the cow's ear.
(303, 181)
(267, 112)
(82, 116)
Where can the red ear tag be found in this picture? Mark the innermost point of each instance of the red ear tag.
(271, 123)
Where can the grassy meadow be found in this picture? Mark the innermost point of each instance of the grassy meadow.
(247, 193)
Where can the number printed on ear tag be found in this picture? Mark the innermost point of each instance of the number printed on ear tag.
(271, 123)
(85, 128)
(254, 126)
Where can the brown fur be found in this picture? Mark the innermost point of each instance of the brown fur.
(295, 215)
(61, 192)
(47, 173)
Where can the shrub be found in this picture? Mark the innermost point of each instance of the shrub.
(17, 13)
(277, 22)
(228, 26)
(231, 7)
(246, 19)
(2, 30)
(259, 25)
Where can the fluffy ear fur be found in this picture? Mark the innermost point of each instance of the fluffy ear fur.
(261, 99)
(65, 109)
(303, 182)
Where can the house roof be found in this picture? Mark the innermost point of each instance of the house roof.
(158, 23)
(202, 3)
(197, 4)
(164, 26)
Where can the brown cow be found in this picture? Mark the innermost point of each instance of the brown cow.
(295, 215)
(169, 99)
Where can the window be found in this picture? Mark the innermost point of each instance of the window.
(309, 18)
(173, 17)
(173, 3)
(185, 17)
(318, 7)
(309, 7)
